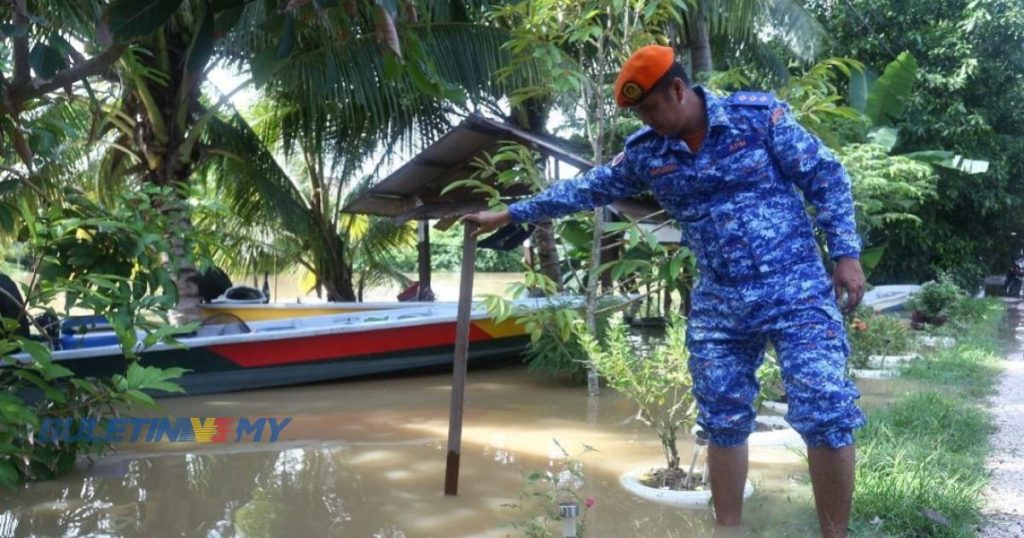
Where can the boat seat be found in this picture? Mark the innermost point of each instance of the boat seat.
(222, 324)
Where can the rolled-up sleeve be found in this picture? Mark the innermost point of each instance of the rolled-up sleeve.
(814, 169)
(599, 186)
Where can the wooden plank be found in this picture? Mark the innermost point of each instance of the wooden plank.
(451, 475)
(424, 258)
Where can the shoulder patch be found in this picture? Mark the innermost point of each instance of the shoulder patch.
(755, 99)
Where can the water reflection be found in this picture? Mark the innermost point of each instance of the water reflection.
(366, 458)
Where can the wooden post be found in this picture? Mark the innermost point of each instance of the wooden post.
(451, 474)
(424, 258)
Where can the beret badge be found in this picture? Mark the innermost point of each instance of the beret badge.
(632, 91)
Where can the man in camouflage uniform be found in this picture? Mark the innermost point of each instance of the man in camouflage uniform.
(730, 171)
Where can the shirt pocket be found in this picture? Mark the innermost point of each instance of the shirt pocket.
(779, 232)
(743, 161)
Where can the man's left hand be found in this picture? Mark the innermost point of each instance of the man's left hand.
(848, 277)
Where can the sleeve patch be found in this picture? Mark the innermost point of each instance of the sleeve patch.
(778, 114)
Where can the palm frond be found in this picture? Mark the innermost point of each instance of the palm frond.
(252, 181)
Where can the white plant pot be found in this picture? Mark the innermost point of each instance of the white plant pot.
(778, 407)
(786, 437)
(945, 342)
(689, 499)
(890, 361)
(881, 373)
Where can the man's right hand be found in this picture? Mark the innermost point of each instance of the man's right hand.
(488, 221)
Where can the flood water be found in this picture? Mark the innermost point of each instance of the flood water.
(366, 458)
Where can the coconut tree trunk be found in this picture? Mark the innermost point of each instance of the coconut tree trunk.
(699, 43)
(186, 277)
(334, 273)
(547, 252)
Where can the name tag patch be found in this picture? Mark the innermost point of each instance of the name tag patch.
(739, 144)
(662, 170)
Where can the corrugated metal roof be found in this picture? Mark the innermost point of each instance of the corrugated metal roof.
(414, 190)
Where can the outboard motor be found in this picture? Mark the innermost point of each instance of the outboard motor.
(213, 282)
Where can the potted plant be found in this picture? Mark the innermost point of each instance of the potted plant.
(931, 305)
(658, 380)
(878, 343)
(772, 394)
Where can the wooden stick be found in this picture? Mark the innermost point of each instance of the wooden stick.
(451, 475)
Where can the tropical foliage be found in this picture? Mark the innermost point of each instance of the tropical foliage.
(105, 261)
(657, 380)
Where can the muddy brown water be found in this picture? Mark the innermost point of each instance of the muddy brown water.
(366, 459)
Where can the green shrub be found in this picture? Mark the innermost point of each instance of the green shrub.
(968, 311)
(109, 262)
(932, 304)
(875, 334)
(657, 380)
(555, 353)
(769, 377)
(968, 276)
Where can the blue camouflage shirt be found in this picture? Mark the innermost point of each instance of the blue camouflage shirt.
(737, 199)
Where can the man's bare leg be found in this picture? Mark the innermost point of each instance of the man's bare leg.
(728, 470)
(832, 480)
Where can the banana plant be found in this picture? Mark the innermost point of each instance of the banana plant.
(883, 100)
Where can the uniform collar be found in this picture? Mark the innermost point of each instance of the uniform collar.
(713, 108)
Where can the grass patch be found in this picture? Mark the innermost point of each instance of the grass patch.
(921, 459)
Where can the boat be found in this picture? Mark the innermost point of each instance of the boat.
(228, 354)
(254, 312)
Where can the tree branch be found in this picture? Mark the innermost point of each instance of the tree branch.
(93, 66)
(22, 76)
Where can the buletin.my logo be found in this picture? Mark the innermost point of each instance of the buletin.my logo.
(162, 429)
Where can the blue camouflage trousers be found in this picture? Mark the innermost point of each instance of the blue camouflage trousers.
(794, 309)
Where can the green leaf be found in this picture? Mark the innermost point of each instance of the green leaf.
(40, 354)
(870, 257)
(9, 473)
(46, 61)
(151, 377)
(887, 100)
(965, 165)
(56, 371)
(885, 137)
(136, 18)
(263, 66)
(140, 397)
(948, 159)
(6, 218)
(51, 393)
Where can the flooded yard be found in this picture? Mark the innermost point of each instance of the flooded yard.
(366, 458)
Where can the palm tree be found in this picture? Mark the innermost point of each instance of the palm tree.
(291, 214)
(745, 25)
(337, 95)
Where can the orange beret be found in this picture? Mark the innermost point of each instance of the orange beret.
(640, 73)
